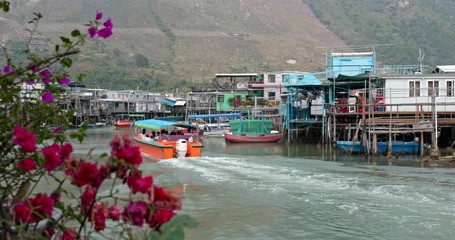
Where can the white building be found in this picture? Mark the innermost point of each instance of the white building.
(415, 92)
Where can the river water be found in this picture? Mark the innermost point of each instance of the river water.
(300, 191)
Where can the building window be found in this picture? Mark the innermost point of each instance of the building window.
(221, 98)
(450, 88)
(414, 88)
(433, 88)
(272, 78)
(272, 96)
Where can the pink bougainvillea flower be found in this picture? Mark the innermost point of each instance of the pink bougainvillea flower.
(105, 32)
(47, 97)
(65, 80)
(34, 209)
(43, 205)
(69, 234)
(99, 217)
(47, 80)
(34, 69)
(114, 212)
(131, 155)
(165, 200)
(7, 69)
(99, 15)
(55, 155)
(136, 212)
(45, 73)
(138, 184)
(59, 130)
(91, 32)
(87, 198)
(87, 173)
(66, 151)
(108, 23)
(159, 218)
(27, 165)
(22, 212)
(124, 148)
(25, 139)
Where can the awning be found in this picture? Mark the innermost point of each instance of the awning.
(180, 103)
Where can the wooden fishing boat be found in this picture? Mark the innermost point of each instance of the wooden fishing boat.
(253, 139)
(397, 147)
(162, 140)
(252, 131)
(125, 121)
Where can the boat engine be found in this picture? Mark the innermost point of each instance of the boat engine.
(181, 147)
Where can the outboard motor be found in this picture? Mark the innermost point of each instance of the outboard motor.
(181, 147)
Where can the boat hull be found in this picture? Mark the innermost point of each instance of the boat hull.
(253, 139)
(397, 147)
(123, 124)
(166, 149)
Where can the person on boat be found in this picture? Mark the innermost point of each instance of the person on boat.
(143, 132)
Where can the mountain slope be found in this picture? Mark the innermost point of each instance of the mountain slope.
(194, 39)
(397, 27)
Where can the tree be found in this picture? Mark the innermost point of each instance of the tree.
(141, 60)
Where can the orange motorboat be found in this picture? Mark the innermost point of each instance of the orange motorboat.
(162, 140)
(125, 121)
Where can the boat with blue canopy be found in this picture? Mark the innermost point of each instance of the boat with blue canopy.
(162, 140)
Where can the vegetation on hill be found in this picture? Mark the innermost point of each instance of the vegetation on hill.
(163, 45)
(398, 28)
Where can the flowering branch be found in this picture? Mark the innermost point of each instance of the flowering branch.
(32, 155)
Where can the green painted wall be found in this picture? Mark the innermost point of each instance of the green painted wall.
(222, 100)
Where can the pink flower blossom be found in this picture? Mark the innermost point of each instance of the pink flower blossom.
(7, 69)
(87, 198)
(27, 165)
(55, 155)
(99, 15)
(33, 209)
(159, 218)
(69, 234)
(105, 32)
(100, 216)
(138, 184)
(92, 32)
(114, 212)
(124, 148)
(136, 212)
(34, 69)
(47, 97)
(65, 80)
(45, 73)
(47, 80)
(22, 212)
(108, 23)
(25, 139)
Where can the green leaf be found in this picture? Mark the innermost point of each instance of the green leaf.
(4, 6)
(65, 39)
(57, 47)
(81, 77)
(173, 230)
(75, 33)
(66, 62)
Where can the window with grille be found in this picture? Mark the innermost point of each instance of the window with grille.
(433, 88)
(414, 88)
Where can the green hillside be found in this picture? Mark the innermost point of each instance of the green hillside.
(397, 27)
(163, 45)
